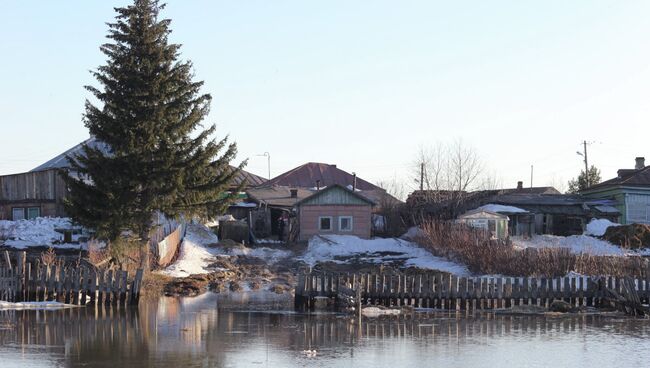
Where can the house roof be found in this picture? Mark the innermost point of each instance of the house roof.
(277, 195)
(61, 162)
(478, 213)
(336, 187)
(626, 177)
(305, 176)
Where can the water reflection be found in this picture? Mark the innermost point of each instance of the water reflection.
(207, 331)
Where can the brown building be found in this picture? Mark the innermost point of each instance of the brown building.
(334, 210)
(31, 194)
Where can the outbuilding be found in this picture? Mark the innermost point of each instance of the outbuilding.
(494, 223)
(334, 210)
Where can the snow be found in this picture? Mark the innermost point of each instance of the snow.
(40, 231)
(34, 305)
(576, 244)
(195, 255)
(376, 312)
(412, 233)
(268, 241)
(245, 204)
(498, 208)
(597, 227)
(320, 250)
(267, 254)
(199, 249)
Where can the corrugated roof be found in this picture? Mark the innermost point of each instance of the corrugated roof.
(61, 162)
(334, 186)
(627, 177)
(305, 176)
(277, 195)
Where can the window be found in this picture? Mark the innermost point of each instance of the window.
(325, 223)
(17, 213)
(345, 223)
(33, 212)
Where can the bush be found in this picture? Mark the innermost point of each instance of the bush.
(482, 255)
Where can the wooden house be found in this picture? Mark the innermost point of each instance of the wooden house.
(32, 194)
(334, 210)
(629, 192)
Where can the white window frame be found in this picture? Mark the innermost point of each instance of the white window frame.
(351, 223)
(320, 223)
(13, 216)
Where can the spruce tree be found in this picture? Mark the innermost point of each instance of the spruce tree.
(157, 157)
(584, 181)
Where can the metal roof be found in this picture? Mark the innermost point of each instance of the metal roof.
(61, 162)
(305, 176)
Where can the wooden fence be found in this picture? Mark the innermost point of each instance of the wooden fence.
(444, 291)
(79, 285)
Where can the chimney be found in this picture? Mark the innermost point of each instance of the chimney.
(317, 184)
(520, 185)
(294, 193)
(639, 163)
(354, 181)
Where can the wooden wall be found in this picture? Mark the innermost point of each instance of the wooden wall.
(45, 189)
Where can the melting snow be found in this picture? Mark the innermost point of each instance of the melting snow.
(498, 208)
(195, 255)
(597, 227)
(320, 250)
(34, 305)
(37, 232)
(576, 244)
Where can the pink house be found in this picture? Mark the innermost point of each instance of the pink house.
(334, 210)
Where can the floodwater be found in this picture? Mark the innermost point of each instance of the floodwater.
(237, 331)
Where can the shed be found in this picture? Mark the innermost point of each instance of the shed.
(334, 210)
(495, 223)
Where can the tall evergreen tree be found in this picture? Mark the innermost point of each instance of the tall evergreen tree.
(584, 181)
(158, 157)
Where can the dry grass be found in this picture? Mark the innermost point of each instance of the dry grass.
(48, 258)
(153, 284)
(482, 255)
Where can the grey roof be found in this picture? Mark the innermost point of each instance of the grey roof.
(277, 195)
(333, 186)
(626, 177)
(61, 162)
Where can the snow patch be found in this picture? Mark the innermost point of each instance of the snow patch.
(498, 208)
(265, 253)
(40, 231)
(320, 250)
(576, 244)
(376, 312)
(34, 305)
(195, 255)
(597, 227)
(412, 233)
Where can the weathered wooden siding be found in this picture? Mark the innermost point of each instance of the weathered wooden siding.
(336, 196)
(44, 189)
(361, 219)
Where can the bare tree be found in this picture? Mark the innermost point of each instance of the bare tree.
(447, 167)
(446, 173)
(464, 166)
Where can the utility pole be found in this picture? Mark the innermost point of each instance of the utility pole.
(531, 176)
(584, 144)
(422, 177)
(268, 162)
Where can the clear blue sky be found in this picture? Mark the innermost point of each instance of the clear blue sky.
(361, 83)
